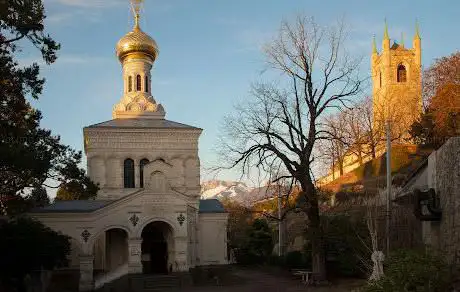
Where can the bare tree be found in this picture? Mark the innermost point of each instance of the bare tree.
(339, 141)
(284, 120)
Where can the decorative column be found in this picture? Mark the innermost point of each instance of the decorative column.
(86, 273)
(134, 256)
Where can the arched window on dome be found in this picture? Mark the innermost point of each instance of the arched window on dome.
(146, 84)
(138, 83)
(130, 83)
(128, 173)
(142, 163)
(401, 74)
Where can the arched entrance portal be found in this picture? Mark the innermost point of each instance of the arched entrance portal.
(157, 247)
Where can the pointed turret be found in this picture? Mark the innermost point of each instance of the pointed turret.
(386, 38)
(385, 33)
(374, 46)
(417, 45)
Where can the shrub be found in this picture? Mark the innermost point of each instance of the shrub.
(413, 270)
(258, 245)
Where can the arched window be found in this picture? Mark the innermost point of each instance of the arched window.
(138, 83)
(128, 172)
(402, 74)
(142, 163)
(130, 83)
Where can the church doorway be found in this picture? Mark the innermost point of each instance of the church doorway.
(156, 248)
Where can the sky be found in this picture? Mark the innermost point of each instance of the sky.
(210, 53)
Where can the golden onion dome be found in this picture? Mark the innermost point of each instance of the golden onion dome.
(137, 41)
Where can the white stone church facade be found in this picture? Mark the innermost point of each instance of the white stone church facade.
(148, 216)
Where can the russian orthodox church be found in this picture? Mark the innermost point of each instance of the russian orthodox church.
(148, 216)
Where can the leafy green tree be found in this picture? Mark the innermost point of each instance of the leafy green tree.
(30, 156)
(26, 246)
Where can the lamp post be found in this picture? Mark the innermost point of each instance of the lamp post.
(388, 201)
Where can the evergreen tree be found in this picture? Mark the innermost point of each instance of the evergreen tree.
(30, 157)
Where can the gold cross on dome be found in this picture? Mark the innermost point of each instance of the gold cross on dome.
(136, 6)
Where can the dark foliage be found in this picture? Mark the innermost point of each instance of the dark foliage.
(258, 245)
(413, 270)
(26, 246)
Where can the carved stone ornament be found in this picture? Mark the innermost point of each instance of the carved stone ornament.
(85, 235)
(134, 219)
(181, 219)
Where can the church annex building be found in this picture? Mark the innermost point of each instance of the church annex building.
(148, 216)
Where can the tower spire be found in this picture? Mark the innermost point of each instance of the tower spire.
(385, 34)
(417, 29)
(374, 45)
(402, 39)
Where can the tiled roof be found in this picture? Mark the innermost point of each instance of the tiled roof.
(75, 206)
(86, 206)
(142, 123)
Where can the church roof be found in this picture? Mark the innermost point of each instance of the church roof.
(86, 206)
(211, 206)
(142, 123)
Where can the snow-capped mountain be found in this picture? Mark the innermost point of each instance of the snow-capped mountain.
(237, 191)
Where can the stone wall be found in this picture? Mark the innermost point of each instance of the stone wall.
(445, 176)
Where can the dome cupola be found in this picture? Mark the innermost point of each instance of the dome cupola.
(137, 42)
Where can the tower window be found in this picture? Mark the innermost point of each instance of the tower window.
(380, 79)
(142, 163)
(146, 85)
(130, 83)
(128, 172)
(402, 74)
(138, 83)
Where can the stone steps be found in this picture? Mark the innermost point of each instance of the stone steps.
(148, 283)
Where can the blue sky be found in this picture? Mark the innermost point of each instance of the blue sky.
(209, 53)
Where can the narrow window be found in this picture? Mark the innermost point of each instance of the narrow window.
(138, 83)
(380, 79)
(402, 74)
(142, 163)
(130, 83)
(146, 85)
(128, 172)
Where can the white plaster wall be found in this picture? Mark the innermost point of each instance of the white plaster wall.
(212, 234)
(106, 150)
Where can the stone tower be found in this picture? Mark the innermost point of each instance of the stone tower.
(396, 79)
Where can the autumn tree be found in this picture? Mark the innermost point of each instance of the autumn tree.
(441, 90)
(283, 121)
(30, 157)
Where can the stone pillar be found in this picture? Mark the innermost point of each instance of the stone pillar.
(180, 257)
(137, 177)
(134, 256)
(86, 273)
